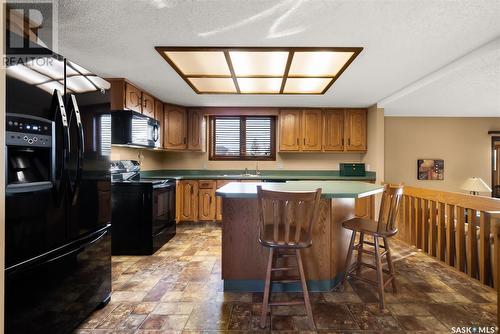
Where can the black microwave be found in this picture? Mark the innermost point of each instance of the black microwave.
(129, 128)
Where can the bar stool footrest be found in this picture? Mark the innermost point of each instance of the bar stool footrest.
(287, 303)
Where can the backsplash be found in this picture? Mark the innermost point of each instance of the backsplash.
(151, 160)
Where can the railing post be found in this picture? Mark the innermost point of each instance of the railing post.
(484, 246)
(495, 221)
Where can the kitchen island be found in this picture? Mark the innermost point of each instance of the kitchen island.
(244, 259)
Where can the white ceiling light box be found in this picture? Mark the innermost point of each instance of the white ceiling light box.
(259, 70)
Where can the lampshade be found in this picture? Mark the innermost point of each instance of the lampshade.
(475, 184)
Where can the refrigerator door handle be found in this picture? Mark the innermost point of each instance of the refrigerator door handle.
(81, 148)
(60, 112)
(79, 249)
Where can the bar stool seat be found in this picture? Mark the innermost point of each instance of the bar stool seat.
(367, 226)
(285, 227)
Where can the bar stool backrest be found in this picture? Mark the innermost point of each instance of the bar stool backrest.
(287, 218)
(391, 198)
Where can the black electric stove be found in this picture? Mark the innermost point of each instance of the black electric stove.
(143, 210)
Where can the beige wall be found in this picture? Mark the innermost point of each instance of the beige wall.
(374, 157)
(151, 160)
(463, 143)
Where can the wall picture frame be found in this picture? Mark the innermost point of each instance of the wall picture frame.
(430, 169)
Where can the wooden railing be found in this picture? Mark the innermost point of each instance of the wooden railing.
(461, 230)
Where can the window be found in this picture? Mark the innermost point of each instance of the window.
(242, 138)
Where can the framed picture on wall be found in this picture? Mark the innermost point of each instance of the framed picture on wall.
(430, 169)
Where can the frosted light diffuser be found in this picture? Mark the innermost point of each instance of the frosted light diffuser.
(80, 84)
(214, 85)
(267, 63)
(259, 70)
(260, 85)
(306, 85)
(200, 63)
(318, 64)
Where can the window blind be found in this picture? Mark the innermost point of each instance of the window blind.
(243, 137)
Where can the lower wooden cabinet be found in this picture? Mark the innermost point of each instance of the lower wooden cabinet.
(206, 200)
(187, 196)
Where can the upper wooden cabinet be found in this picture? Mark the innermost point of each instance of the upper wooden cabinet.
(289, 130)
(148, 105)
(133, 97)
(329, 130)
(355, 129)
(125, 96)
(174, 127)
(196, 130)
(333, 130)
(159, 117)
(311, 130)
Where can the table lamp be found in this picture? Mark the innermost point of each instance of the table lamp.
(475, 185)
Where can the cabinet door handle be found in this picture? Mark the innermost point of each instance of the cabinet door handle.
(349, 142)
(304, 142)
(342, 141)
(185, 140)
(297, 141)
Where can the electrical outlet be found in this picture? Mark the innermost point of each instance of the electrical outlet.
(280, 166)
(205, 166)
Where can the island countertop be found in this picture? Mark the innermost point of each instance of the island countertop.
(330, 189)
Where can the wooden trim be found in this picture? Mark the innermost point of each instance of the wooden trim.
(479, 203)
(225, 50)
(241, 157)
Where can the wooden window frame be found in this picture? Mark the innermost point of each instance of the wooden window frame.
(211, 154)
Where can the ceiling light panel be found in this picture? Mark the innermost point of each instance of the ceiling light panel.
(260, 85)
(255, 63)
(306, 85)
(318, 63)
(259, 70)
(194, 63)
(213, 85)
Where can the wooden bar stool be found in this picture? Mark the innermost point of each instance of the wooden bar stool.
(383, 229)
(286, 222)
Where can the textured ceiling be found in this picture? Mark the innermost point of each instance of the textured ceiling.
(403, 42)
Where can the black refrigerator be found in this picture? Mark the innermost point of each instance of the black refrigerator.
(58, 194)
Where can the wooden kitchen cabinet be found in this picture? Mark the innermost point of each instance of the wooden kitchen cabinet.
(133, 98)
(125, 96)
(175, 127)
(218, 201)
(333, 130)
(311, 130)
(355, 129)
(148, 105)
(159, 117)
(206, 200)
(188, 200)
(289, 130)
(196, 130)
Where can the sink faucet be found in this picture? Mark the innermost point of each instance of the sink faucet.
(257, 171)
(246, 171)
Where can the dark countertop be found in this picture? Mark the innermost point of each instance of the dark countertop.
(210, 174)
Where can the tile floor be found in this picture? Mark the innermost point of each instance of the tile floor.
(178, 290)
